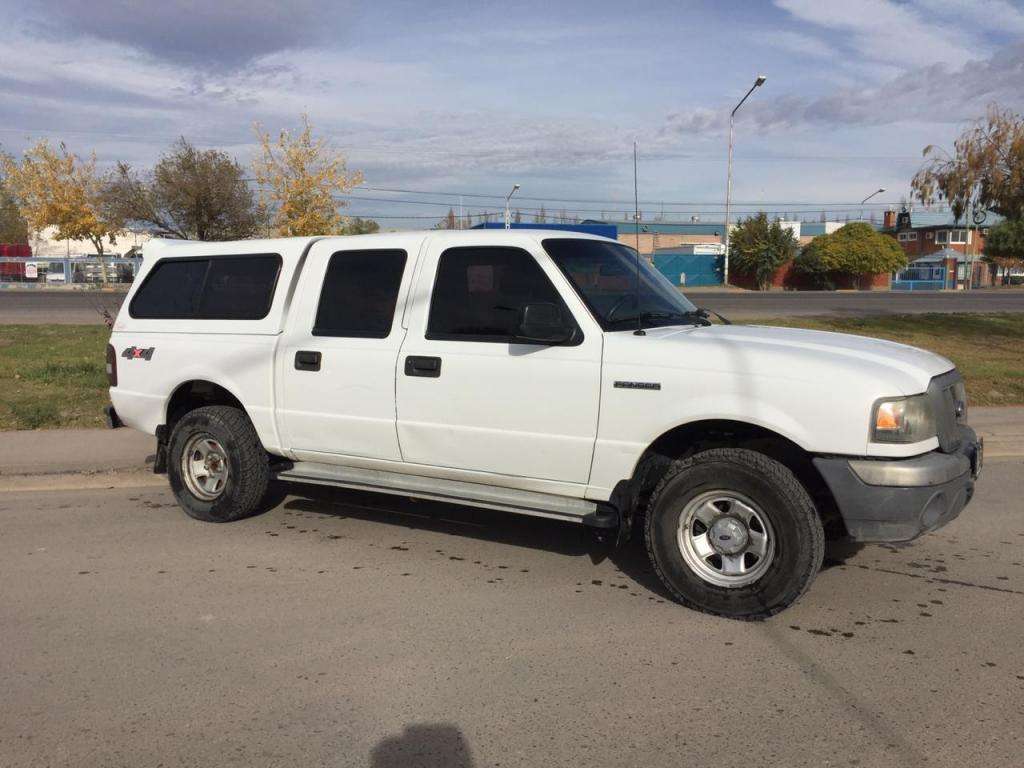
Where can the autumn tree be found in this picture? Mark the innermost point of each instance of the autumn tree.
(191, 194)
(759, 247)
(55, 188)
(852, 250)
(986, 168)
(300, 178)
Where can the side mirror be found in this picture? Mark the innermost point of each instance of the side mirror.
(542, 324)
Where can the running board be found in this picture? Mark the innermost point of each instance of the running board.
(454, 491)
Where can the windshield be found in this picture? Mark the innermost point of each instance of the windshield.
(604, 275)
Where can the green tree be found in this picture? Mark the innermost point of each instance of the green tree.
(192, 194)
(1004, 245)
(358, 226)
(986, 168)
(759, 247)
(13, 227)
(854, 249)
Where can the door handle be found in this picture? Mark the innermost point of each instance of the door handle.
(307, 361)
(430, 367)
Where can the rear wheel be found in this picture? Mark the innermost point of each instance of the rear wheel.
(732, 532)
(217, 467)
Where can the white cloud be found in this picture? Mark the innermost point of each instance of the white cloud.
(797, 42)
(935, 93)
(891, 32)
(992, 15)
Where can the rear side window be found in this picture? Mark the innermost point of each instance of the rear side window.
(222, 288)
(359, 294)
(480, 292)
(171, 290)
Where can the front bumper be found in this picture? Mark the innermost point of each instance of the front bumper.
(900, 499)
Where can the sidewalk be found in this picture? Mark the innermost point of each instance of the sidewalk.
(60, 451)
(46, 458)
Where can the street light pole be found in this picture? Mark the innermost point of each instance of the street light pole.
(878, 191)
(508, 214)
(728, 182)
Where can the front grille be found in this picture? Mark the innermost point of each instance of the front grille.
(943, 401)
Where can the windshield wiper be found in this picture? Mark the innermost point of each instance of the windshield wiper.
(705, 312)
(695, 317)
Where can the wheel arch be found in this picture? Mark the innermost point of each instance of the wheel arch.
(692, 437)
(195, 393)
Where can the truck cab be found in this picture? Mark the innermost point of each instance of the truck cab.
(546, 373)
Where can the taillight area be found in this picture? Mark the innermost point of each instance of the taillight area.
(111, 365)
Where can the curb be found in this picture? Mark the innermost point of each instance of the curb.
(80, 481)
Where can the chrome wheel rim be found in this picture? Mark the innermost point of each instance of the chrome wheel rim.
(726, 539)
(204, 466)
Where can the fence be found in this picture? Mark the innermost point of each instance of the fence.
(918, 285)
(78, 270)
(690, 269)
(920, 277)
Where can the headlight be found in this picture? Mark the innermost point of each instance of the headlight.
(902, 420)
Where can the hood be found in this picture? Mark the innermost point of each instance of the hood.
(800, 354)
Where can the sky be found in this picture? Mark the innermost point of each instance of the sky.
(444, 99)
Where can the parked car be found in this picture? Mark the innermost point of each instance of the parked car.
(543, 373)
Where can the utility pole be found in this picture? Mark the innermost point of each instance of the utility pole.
(728, 183)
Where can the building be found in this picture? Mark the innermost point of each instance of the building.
(655, 235)
(44, 244)
(934, 238)
(696, 264)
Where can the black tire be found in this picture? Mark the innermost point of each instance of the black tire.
(799, 539)
(248, 473)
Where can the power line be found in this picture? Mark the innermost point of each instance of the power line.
(773, 203)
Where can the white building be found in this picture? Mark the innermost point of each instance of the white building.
(44, 243)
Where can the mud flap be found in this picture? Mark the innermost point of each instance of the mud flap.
(160, 462)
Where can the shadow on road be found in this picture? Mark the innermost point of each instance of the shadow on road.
(506, 528)
(424, 745)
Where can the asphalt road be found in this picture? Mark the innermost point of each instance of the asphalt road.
(29, 307)
(350, 629)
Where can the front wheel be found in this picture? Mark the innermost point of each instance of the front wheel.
(217, 467)
(732, 532)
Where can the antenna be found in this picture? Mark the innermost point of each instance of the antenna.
(636, 220)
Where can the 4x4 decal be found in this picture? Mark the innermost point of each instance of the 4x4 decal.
(138, 353)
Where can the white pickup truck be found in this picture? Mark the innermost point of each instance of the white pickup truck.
(544, 373)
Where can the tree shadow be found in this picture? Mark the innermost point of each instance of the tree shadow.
(562, 538)
(423, 745)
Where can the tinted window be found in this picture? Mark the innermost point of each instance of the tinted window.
(604, 274)
(479, 294)
(171, 290)
(223, 288)
(359, 294)
(239, 288)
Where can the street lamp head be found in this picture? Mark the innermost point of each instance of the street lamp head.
(760, 81)
(880, 190)
(515, 187)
